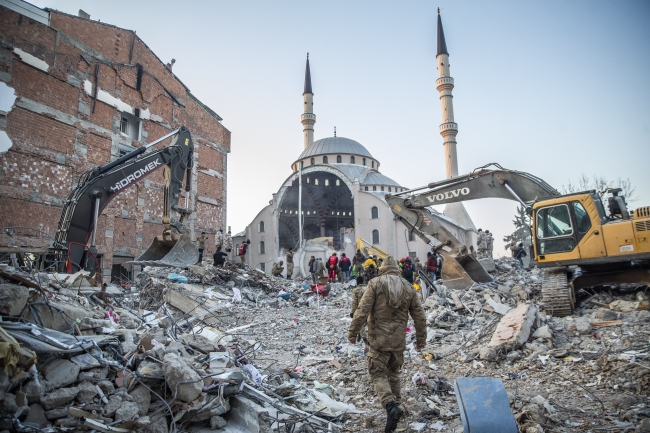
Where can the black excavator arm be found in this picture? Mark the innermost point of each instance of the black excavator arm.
(76, 232)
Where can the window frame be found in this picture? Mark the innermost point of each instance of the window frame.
(261, 227)
(325, 159)
(352, 160)
(374, 213)
(563, 235)
(373, 237)
(339, 159)
(261, 248)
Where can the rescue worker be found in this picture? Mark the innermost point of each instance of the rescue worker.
(480, 243)
(243, 248)
(489, 244)
(369, 270)
(218, 239)
(358, 258)
(228, 241)
(385, 307)
(219, 258)
(289, 258)
(513, 245)
(332, 265)
(321, 268)
(407, 270)
(441, 260)
(200, 245)
(345, 266)
(357, 294)
(277, 269)
(520, 253)
(313, 269)
(432, 266)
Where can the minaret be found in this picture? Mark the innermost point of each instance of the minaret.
(308, 118)
(444, 84)
(448, 130)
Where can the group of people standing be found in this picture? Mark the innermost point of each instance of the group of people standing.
(485, 244)
(223, 242)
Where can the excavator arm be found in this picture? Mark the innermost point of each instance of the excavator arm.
(410, 207)
(76, 232)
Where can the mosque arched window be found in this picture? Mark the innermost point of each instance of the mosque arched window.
(325, 159)
(364, 161)
(375, 237)
(301, 165)
(374, 187)
(382, 188)
(308, 180)
(261, 227)
(327, 182)
(372, 163)
(316, 182)
(338, 159)
(338, 182)
(374, 213)
(262, 247)
(313, 161)
(366, 188)
(389, 189)
(352, 160)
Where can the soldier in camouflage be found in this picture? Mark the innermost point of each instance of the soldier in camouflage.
(289, 263)
(277, 269)
(385, 307)
(489, 244)
(357, 294)
(480, 243)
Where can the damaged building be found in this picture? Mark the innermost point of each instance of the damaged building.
(76, 93)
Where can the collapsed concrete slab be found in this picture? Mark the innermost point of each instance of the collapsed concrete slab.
(515, 327)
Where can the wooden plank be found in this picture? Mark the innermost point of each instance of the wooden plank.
(456, 299)
(604, 323)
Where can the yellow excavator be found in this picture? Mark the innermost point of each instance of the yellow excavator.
(576, 242)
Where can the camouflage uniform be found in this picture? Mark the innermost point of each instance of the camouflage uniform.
(357, 294)
(277, 269)
(228, 242)
(480, 244)
(385, 307)
(289, 264)
(489, 244)
(218, 239)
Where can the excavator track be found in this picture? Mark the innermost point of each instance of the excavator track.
(556, 293)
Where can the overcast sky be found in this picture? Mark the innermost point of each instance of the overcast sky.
(553, 88)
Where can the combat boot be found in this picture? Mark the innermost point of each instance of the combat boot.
(394, 413)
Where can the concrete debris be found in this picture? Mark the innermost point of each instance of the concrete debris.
(162, 355)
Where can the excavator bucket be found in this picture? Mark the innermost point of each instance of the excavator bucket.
(164, 251)
(461, 272)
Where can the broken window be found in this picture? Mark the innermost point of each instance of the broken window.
(374, 213)
(338, 159)
(325, 159)
(375, 237)
(130, 125)
(262, 247)
(263, 267)
(261, 228)
(352, 160)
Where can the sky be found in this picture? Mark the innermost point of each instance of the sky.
(553, 88)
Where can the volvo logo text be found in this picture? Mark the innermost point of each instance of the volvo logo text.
(447, 195)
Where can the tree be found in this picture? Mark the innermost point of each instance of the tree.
(522, 228)
(600, 183)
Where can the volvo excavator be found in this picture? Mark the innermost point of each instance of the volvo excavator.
(575, 241)
(75, 238)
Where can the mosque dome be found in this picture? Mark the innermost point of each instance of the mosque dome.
(335, 145)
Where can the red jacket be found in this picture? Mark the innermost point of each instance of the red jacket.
(432, 264)
(331, 264)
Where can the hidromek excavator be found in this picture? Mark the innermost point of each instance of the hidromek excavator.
(76, 233)
(575, 242)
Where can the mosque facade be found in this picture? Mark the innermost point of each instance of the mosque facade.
(334, 195)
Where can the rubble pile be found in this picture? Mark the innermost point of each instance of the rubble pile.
(229, 349)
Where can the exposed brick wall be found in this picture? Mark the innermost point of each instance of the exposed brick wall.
(56, 136)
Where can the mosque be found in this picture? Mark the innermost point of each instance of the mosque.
(335, 195)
